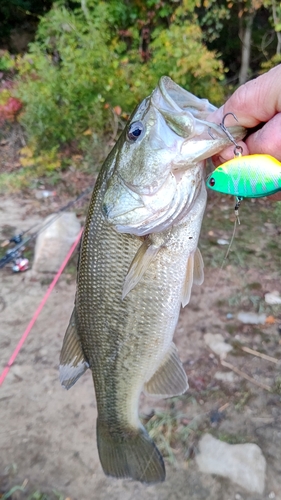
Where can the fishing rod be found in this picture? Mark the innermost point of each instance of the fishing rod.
(16, 252)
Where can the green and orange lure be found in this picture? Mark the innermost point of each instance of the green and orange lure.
(251, 176)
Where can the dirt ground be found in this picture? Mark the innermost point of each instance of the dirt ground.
(47, 436)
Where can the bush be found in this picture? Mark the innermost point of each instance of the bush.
(86, 61)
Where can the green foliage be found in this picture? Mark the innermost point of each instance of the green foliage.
(271, 63)
(179, 52)
(99, 55)
(213, 16)
(7, 62)
(65, 78)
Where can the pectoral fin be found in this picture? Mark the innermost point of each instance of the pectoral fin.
(194, 274)
(140, 263)
(170, 378)
(198, 273)
(72, 360)
(188, 282)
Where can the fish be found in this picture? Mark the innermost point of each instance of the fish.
(250, 176)
(138, 261)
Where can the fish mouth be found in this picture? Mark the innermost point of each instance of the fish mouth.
(182, 100)
(156, 180)
(187, 114)
(125, 207)
(119, 200)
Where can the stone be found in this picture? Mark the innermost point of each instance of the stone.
(272, 298)
(216, 343)
(244, 464)
(228, 377)
(251, 318)
(221, 241)
(54, 242)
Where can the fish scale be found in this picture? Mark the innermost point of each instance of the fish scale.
(138, 261)
(128, 328)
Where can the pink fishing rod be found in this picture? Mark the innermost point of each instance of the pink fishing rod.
(38, 310)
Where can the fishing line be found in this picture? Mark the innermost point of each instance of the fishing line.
(227, 252)
(236, 222)
(59, 212)
(10, 255)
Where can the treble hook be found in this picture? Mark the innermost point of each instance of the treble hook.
(238, 150)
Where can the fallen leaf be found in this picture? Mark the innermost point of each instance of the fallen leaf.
(270, 320)
(88, 132)
(117, 110)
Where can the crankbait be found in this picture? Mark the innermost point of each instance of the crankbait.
(251, 176)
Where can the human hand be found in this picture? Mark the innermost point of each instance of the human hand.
(257, 102)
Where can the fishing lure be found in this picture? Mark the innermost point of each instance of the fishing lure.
(251, 176)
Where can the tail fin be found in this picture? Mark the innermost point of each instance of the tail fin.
(132, 454)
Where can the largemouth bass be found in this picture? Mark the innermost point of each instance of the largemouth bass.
(138, 261)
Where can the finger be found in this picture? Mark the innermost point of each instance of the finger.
(267, 140)
(275, 197)
(228, 154)
(254, 102)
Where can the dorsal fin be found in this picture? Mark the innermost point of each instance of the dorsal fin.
(72, 361)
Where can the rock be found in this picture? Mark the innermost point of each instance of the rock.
(217, 344)
(42, 194)
(228, 377)
(250, 318)
(221, 241)
(272, 298)
(54, 242)
(243, 464)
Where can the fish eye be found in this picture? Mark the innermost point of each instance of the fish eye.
(212, 181)
(135, 131)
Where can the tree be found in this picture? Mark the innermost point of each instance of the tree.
(241, 31)
(88, 59)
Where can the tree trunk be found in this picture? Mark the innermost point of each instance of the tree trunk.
(245, 35)
(276, 21)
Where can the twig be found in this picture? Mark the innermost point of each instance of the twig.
(260, 354)
(244, 375)
(223, 407)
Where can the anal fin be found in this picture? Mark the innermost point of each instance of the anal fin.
(72, 360)
(170, 378)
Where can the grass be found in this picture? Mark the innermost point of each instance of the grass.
(251, 246)
(172, 429)
(277, 385)
(36, 495)
(232, 438)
